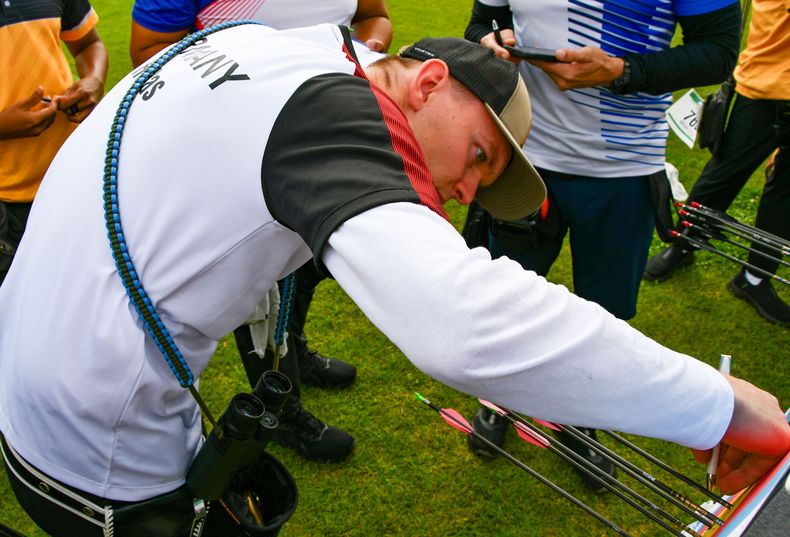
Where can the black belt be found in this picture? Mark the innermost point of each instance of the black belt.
(57, 493)
(172, 513)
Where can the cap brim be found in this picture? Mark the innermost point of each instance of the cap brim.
(518, 191)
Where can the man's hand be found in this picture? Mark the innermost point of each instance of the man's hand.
(29, 117)
(90, 59)
(78, 100)
(582, 68)
(376, 45)
(758, 437)
(508, 38)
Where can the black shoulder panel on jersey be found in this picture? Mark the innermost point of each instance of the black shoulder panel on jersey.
(330, 157)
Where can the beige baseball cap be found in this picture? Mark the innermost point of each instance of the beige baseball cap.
(519, 190)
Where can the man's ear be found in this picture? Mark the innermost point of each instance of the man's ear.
(432, 76)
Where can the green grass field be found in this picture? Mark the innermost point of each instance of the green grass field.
(411, 474)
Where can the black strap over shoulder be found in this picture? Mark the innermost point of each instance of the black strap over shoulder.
(349, 42)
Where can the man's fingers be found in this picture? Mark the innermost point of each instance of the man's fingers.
(490, 42)
(34, 99)
(731, 479)
(375, 45)
(569, 55)
(702, 456)
(731, 458)
(758, 425)
(564, 55)
(508, 38)
(42, 119)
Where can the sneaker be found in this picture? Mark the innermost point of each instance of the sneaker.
(663, 265)
(763, 297)
(590, 455)
(325, 372)
(311, 438)
(490, 426)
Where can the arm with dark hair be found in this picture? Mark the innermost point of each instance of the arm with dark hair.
(707, 56)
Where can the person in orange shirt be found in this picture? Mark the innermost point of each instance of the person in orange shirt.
(759, 125)
(40, 103)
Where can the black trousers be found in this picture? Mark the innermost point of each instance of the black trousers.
(13, 219)
(255, 366)
(307, 279)
(756, 128)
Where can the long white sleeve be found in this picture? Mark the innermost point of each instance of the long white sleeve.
(493, 330)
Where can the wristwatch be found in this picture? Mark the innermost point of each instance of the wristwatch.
(619, 85)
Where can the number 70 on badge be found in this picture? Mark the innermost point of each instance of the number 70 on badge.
(683, 116)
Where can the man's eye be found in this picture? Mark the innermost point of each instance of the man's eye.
(481, 156)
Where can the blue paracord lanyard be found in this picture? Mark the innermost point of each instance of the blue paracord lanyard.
(131, 281)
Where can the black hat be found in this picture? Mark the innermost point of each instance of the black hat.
(519, 190)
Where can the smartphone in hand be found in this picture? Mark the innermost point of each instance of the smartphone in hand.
(532, 53)
(527, 53)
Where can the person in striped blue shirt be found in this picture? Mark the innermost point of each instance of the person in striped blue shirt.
(599, 131)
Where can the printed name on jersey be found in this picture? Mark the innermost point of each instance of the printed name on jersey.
(201, 55)
(194, 56)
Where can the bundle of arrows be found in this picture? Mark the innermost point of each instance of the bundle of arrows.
(705, 227)
(701, 520)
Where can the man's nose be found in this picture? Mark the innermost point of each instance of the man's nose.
(466, 189)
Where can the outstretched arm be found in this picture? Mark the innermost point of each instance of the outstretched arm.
(491, 329)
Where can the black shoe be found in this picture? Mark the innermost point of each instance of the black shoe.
(490, 426)
(590, 455)
(325, 372)
(311, 438)
(763, 297)
(663, 265)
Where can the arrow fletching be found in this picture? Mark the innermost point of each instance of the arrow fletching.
(530, 436)
(548, 424)
(456, 420)
(498, 409)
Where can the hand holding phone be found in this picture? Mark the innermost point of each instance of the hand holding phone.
(532, 53)
(526, 53)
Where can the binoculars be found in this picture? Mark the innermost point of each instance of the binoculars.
(240, 437)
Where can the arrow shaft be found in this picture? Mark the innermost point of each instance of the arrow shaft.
(707, 247)
(646, 479)
(753, 233)
(611, 483)
(636, 449)
(711, 236)
(559, 490)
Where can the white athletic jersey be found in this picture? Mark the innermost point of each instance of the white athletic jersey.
(245, 155)
(201, 235)
(591, 131)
